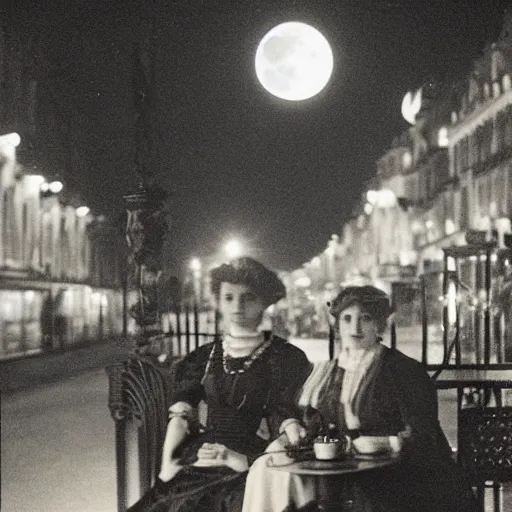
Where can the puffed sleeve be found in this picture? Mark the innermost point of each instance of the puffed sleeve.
(189, 374)
(290, 369)
(422, 439)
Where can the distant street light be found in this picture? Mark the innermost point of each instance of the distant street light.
(233, 249)
(82, 211)
(196, 267)
(12, 139)
(195, 264)
(55, 187)
(50, 188)
(383, 198)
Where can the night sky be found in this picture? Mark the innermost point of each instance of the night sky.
(283, 176)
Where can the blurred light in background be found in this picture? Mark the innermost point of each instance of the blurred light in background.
(55, 187)
(233, 248)
(12, 139)
(195, 264)
(442, 137)
(383, 198)
(82, 211)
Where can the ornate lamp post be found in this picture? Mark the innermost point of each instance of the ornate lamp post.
(145, 230)
(146, 224)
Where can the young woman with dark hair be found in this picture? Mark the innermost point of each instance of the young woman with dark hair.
(379, 398)
(244, 376)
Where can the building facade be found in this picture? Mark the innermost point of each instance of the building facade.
(445, 178)
(61, 266)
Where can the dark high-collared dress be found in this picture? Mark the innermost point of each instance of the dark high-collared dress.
(237, 402)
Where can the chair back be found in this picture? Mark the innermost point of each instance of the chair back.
(139, 396)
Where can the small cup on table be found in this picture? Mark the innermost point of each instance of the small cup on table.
(326, 448)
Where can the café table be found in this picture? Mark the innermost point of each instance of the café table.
(332, 477)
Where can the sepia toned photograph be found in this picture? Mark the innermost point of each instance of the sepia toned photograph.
(256, 255)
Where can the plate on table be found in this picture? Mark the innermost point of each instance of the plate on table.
(208, 463)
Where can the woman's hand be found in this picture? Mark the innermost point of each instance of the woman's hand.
(214, 455)
(295, 432)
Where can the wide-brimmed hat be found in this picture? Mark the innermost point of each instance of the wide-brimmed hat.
(245, 270)
(369, 297)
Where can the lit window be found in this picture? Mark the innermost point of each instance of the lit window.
(442, 137)
(449, 226)
(416, 227)
(406, 160)
(506, 82)
(372, 196)
(303, 282)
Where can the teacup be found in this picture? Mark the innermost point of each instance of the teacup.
(328, 449)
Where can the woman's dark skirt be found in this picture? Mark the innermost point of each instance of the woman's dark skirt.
(196, 489)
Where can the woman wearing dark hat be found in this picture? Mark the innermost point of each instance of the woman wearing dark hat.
(244, 376)
(384, 401)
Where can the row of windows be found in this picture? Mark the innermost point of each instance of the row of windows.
(55, 243)
(31, 242)
(490, 197)
(478, 93)
(478, 147)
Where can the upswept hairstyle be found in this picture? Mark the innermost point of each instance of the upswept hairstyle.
(371, 299)
(262, 281)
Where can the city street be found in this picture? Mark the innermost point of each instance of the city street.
(58, 443)
(58, 448)
(170, 170)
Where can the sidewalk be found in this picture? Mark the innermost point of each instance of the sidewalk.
(31, 371)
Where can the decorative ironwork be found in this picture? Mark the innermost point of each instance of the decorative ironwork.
(486, 443)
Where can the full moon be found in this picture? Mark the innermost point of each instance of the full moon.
(294, 61)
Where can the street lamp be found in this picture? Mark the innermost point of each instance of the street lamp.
(195, 265)
(12, 139)
(82, 211)
(233, 248)
(54, 187)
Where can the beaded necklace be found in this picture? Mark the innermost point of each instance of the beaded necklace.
(255, 354)
(225, 358)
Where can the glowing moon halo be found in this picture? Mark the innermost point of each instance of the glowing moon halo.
(294, 61)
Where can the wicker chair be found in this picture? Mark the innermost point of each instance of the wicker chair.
(486, 449)
(139, 391)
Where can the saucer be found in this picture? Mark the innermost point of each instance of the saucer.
(208, 464)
